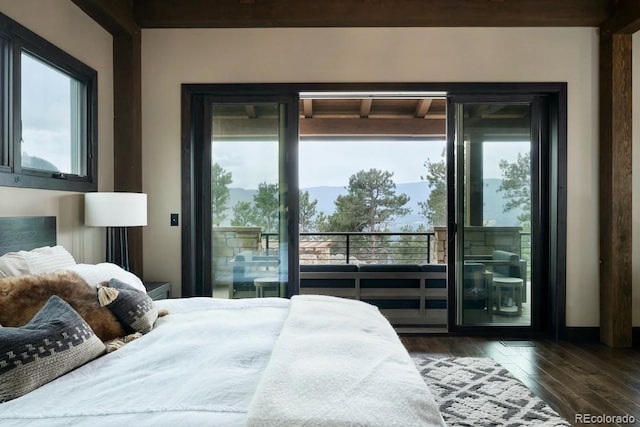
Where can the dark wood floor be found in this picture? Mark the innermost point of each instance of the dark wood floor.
(573, 378)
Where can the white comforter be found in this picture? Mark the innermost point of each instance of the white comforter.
(200, 366)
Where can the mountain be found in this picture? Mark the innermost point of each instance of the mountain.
(417, 191)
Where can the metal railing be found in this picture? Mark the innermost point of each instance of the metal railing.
(361, 248)
(367, 248)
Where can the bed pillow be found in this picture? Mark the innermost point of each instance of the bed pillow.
(53, 343)
(133, 307)
(40, 260)
(94, 274)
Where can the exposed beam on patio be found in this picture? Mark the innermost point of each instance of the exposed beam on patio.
(615, 189)
(359, 13)
(251, 111)
(307, 106)
(423, 108)
(365, 107)
(372, 127)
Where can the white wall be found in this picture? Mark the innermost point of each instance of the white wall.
(66, 26)
(174, 56)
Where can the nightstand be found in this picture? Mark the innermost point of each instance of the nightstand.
(158, 290)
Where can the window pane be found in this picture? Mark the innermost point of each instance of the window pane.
(4, 104)
(52, 119)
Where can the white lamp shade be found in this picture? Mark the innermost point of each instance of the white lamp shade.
(115, 209)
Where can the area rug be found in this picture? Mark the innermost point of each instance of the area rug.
(475, 392)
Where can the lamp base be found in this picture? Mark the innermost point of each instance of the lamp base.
(118, 247)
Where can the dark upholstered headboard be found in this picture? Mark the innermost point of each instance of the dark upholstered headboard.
(26, 232)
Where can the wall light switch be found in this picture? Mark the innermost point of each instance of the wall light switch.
(174, 219)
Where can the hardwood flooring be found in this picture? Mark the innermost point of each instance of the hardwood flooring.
(573, 378)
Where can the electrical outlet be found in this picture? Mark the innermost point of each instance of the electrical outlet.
(174, 219)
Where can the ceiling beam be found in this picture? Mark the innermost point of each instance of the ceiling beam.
(361, 13)
(372, 127)
(251, 111)
(365, 107)
(625, 18)
(423, 108)
(307, 106)
(115, 16)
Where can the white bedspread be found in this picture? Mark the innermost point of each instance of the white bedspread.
(198, 367)
(338, 362)
(201, 366)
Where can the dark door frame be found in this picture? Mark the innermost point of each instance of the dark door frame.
(549, 160)
(196, 180)
(195, 271)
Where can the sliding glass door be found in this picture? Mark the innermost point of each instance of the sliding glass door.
(248, 186)
(496, 146)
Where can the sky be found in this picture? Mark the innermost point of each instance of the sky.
(46, 113)
(331, 163)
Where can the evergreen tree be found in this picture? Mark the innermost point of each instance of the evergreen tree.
(411, 249)
(434, 209)
(244, 215)
(307, 212)
(220, 180)
(516, 184)
(370, 204)
(263, 212)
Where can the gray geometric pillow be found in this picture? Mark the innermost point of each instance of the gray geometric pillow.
(53, 343)
(134, 308)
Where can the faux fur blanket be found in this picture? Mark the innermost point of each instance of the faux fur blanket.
(21, 297)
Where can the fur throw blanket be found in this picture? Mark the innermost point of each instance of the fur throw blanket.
(21, 297)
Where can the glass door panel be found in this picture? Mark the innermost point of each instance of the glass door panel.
(249, 220)
(493, 212)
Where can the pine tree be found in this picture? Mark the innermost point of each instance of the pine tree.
(220, 180)
(434, 209)
(308, 214)
(370, 204)
(516, 184)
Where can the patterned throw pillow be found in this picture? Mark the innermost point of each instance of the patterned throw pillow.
(134, 308)
(53, 343)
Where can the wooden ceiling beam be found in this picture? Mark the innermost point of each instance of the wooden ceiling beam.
(307, 106)
(115, 16)
(251, 111)
(359, 13)
(372, 127)
(625, 18)
(423, 108)
(365, 107)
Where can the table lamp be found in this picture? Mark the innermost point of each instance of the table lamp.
(116, 211)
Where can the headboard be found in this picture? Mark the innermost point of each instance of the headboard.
(26, 232)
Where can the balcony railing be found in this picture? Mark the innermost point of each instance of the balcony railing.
(360, 248)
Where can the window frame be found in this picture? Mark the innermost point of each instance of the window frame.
(14, 40)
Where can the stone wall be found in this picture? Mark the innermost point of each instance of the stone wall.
(480, 241)
(227, 242)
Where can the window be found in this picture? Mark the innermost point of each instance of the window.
(48, 114)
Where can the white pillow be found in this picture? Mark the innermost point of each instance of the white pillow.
(40, 260)
(94, 274)
(13, 264)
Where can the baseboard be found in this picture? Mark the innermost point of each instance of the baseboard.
(593, 334)
(585, 333)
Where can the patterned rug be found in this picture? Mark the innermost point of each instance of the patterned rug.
(475, 392)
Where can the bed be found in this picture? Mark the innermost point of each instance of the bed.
(309, 360)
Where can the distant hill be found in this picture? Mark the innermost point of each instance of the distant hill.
(417, 191)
